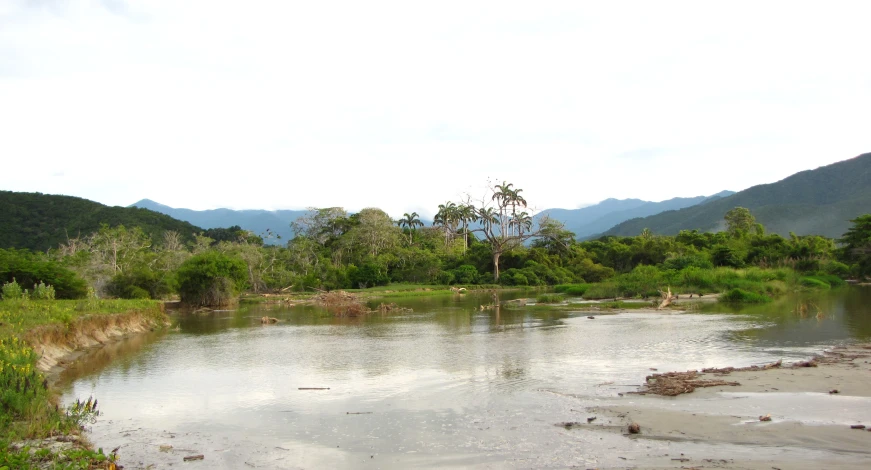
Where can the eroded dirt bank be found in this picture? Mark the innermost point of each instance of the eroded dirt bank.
(59, 344)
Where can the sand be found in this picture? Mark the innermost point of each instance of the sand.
(720, 427)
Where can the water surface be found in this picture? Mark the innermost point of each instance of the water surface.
(444, 385)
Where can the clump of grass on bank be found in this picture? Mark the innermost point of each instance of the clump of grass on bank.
(28, 408)
(549, 299)
(577, 290)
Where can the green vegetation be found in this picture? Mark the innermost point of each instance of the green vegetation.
(740, 295)
(211, 279)
(40, 221)
(819, 201)
(491, 241)
(27, 406)
(549, 299)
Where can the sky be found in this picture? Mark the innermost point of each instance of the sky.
(405, 105)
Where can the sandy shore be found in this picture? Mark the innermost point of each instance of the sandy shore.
(720, 427)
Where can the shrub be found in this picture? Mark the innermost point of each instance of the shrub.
(602, 290)
(32, 268)
(42, 292)
(466, 274)
(132, 285)
(12, 291)
(211, 279)
(722, 255)
(741, 296)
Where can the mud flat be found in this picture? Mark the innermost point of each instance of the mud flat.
(817, 411)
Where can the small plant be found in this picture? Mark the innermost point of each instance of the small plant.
(12, 291)
(83, 412)
(42, 292)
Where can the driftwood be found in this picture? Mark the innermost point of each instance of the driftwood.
(667, 297)
(194, 457)
(314, 388)
(675, 383)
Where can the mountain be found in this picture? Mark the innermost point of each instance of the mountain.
(42, 221)
(256, 221)
(597, 218)
(818, 202)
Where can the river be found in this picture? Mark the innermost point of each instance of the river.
(447, 385)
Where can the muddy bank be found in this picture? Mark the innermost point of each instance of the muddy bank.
(59, 345)
(816, 416)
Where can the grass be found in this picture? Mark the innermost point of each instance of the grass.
(738, 295)
(549, 299)
(28, 407)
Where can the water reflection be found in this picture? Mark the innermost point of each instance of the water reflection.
(445, 380)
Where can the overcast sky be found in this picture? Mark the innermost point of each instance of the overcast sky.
(404, 105)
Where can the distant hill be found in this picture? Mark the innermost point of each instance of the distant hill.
(597, 218)
(818, 202)
(256, 221)
(42, 221)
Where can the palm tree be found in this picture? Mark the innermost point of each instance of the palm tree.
(447, 217)
(523, 221)
(466, 213)
(410, 222)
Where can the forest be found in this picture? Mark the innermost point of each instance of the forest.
(493, 242)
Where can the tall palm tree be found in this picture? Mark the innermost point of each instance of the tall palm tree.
(447, 217)
(466, 213)
(410, 221)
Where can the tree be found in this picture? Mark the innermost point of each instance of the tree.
(211, 279)
(500, 226)
(410, 221)
(739, 221)
(857, 245)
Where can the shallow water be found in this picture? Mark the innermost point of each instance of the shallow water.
(446, 385)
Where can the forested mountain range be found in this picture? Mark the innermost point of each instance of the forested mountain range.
(818, 202)
(42, 221)
(583, 222)
(257, 221)
(595, 219)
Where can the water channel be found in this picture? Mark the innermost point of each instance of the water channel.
(447, 385)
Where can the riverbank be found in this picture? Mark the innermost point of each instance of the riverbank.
(805, 416)
(39, 338)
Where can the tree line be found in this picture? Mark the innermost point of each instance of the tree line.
(493, 240)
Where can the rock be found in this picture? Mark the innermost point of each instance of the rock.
(857, 426)
(765, 418)
(591, 419)
(634, 428)
(833, 391)
(591, 317)
(268, 320)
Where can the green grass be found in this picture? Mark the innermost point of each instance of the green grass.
(20, 316)
(549, 299)
(27, 405)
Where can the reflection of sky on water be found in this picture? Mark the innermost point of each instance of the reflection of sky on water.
(428, 378)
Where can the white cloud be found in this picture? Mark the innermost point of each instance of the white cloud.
(404, 105)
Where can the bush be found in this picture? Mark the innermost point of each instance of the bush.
(132, 285)
(12, 291)
(741, 296)
(722, 255)
(211, 279)
(466, 274)
(32, 268)
(604, 290)
(42, 292)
